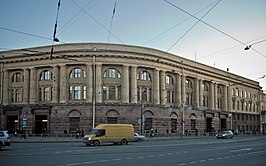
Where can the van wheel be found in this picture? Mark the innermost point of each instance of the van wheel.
(1, 146)
(124, 142)
(96, 143)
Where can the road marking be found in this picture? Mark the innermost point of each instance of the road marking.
(192, 162)
(182, 164)
(74, 164)
(89, 162)
(116, 159)
(239, 150)
(202, 161)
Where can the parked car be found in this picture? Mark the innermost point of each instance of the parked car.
(138, 137)
(225, 134)
(4, 139)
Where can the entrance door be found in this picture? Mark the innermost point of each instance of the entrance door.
(209, 125)
(12, 122)
(223, 124)
(41, 124)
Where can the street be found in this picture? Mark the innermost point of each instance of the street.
(241, 150)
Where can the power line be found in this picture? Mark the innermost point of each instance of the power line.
(112, 18)
(193, 25)
(211, 26)
(94, 19)
(25, 33)
(177, 24)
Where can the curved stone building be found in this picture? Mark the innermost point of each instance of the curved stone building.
(81, 85)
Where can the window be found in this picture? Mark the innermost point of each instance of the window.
(170, 96)
(17, 95)
(111, 92)
(234, 104)
(112, 73)
(46, 94)
(219, 103)
(77, 73)
(205, 101)
(84, 92)
(188, 84)
(46, 75)
(144, 75)
(17, 77)
(77, 92)
(168, 80)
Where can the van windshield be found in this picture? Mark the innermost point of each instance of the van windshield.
(98, 132)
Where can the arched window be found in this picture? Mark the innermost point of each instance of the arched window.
(17, 77)
(169, 80)
(189, 84)
(112, 73)
(77, 73)
(144, 76)
(46, 75)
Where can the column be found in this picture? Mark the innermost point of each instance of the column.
(211, 96)
(89, 83)
(200, 93)
(196, 95)
(178, 90)
(99, 83)
(55, 83)
(33, 85)
(225, 98)
(5, 87)
(26, 91)
(215, 97)
(125, 84)
(162, 87)
(183, 89)
(229, 98)
(133, 82)
(63, 84)
(156, 92)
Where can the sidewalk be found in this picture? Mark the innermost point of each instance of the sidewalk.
(54, 139)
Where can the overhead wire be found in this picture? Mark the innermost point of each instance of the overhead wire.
(194, 25)
(169, 29)
(230, 48)
(94, 19)
(233, 38)
(112, 18)
(25, 33)
(70, 21)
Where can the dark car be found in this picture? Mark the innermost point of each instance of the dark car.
(225, 134)
(4, 139)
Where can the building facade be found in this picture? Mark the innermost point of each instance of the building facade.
(78, 86)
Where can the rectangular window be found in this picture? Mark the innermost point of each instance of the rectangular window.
(168, 96)
(70, 93)
(46, 95)
(84, 92)
(104, 93)
(112, 92)
(18, 95)
(118, 92)
(77, 93)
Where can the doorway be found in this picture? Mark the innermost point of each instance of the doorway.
(41, 124)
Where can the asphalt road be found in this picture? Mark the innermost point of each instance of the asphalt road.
(242, 150)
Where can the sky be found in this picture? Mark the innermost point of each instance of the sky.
(212, 32)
